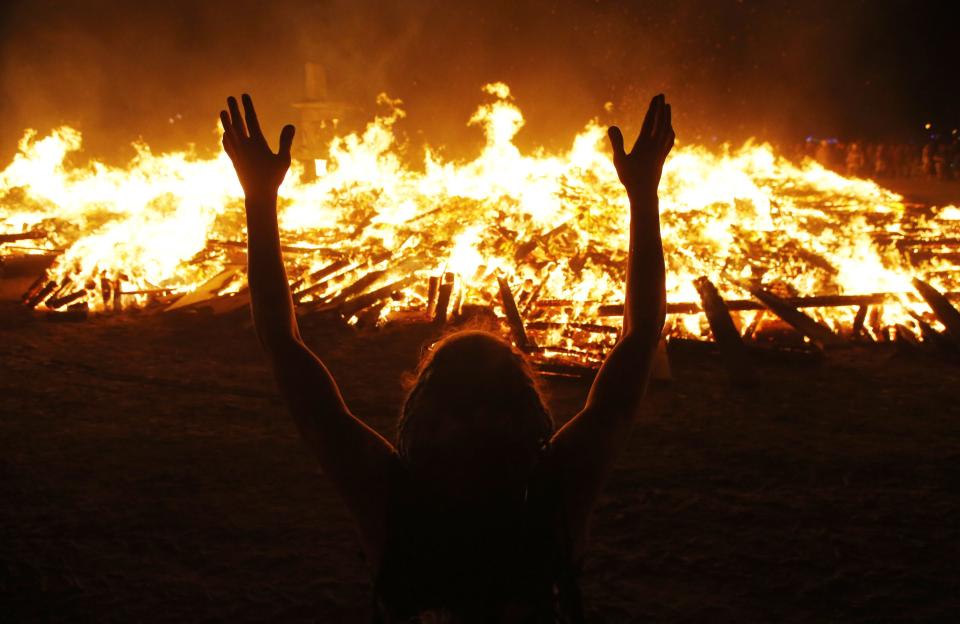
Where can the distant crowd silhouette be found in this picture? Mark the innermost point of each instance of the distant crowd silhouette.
(936, 159)
(477, 511)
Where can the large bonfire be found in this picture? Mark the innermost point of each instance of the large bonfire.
(553, 225)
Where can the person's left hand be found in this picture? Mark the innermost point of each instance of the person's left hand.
(260, 170)
(640, 168)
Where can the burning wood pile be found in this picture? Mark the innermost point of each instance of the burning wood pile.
(760, 251)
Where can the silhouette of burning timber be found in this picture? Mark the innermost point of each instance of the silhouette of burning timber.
(796, 319)
(513, 315)
(19, 236)
(442, 305)
(725, 333)
(942, 309)
(356, 289)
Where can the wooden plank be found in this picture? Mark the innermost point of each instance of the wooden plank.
(106, 290)
(858, 320)
(743, 305)
(208, 290)
(34, 288)
(798, 320)
(19, 236)
(513, 315)
(732, 348)
(564, 369)
(117, 299)
(932, 337)
(945, 313)
(59, 302)
(433, 286)
(595, 328)
(41, 294)
(443, 299)
(317, 279)
(351, 307)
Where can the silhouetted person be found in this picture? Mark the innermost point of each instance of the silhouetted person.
(881, 161)
(854, 159)
(824, 154)
(478, 512)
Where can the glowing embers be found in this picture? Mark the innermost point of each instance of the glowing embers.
(370, 233)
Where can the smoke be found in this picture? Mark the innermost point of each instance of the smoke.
(120, 70)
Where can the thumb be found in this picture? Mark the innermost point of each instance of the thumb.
(616, 142)
(286, 140)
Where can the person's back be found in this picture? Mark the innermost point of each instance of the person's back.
(510, 558)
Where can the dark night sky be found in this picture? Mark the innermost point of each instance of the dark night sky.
(119, 70)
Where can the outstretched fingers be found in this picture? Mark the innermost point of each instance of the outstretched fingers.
(229, 140)
(286, 141)
(236, 120)
(616, 142)
(667, 135)
(253, 124)
(227, 124)
(652, 120)
(671, 134)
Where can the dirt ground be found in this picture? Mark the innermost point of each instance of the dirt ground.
(148, 473)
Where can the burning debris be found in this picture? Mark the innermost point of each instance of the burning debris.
(539, 239)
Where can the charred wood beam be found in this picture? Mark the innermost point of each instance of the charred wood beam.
(433, 286)
(317, 279)
(587, 327)
(565, 369)
(513, 315)
(742, 305)
(906, 337)
(34, 288)
(444, 291)
(942, 309)
(926, 242)
(19, 236)
(351, 307)
(106, 290)
(41, 295)
(595, 353)
(151, 291)
(798, 320)
(754, 324)
(732, 348)
(64, 283)
(859, 319)
(358, 286)
(532, 299)
(931, 336)
(59, 302)
(117, 302)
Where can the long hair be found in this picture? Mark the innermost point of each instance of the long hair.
(485, 385)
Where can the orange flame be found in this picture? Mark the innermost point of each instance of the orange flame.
(555, 223)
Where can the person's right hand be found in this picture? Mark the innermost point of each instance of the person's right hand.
(259, 169)
(640, 170)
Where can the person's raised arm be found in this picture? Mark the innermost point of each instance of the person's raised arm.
(357, 459)
(585, 447)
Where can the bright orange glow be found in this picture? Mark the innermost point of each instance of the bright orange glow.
(556, 223)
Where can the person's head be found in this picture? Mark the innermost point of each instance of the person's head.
(474, 421)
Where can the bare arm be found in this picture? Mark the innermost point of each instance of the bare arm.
(357, 459)
(586, 447)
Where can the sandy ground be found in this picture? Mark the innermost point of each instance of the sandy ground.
(148, 473)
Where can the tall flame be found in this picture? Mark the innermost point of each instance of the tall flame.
(554, 223)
